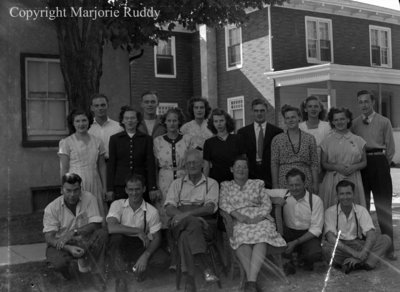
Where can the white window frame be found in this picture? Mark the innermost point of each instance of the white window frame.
(239, 65)
(230, 102)
(52, 134)
(319, 20)
(163, 107)
(389, 31)
(173, 53)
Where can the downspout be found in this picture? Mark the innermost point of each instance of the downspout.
(270, 39)
(130, 72)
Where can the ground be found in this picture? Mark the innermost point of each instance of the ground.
(38, 277)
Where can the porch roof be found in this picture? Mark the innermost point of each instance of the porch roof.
(334, 72)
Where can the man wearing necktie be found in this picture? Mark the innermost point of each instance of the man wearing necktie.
(377, 131)
(255, 141)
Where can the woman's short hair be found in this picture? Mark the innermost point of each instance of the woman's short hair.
(241, 157)
(128, 108)
(336, 110)
(178, 112)
(73, 114)
(71, 178)
(198, 99)
(230, 123)
(303, 106)
(288, 108)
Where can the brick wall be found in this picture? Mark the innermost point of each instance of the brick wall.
(350, 39)
(248, 81)
(178, 89)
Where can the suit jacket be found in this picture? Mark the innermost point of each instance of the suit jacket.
(247, 138)
(158, 130)
(129, 156)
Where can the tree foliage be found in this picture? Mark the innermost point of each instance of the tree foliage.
(81, 39)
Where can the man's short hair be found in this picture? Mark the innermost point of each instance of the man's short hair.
(195, 152)
(295, 172)
(345, 183)
(135, 178)
(149, 92)
(364, 92)
(258, 101)
(98, 95)
(71, 178)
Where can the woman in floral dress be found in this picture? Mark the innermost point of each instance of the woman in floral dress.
(83, 154)
(294, 148)
(248, 202)
(169, 151)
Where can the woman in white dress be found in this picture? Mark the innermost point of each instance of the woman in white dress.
(83, 154)
(343, 156)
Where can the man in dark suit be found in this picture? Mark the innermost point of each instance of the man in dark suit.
(255, 142)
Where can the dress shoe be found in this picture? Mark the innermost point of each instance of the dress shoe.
(121, 285)
(391, 256)
(209, 276)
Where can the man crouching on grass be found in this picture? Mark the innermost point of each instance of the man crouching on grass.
(359, 247)
(73, 233)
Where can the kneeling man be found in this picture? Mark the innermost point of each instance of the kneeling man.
(191, 203)
(359, 246)
(135, 239)
(303, 215)
(72, 229)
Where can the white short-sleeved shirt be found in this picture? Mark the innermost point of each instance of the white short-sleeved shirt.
(187, 193)
(123, 212)
(105, 131)
(348, 226)
(298, 215)
(58, 217)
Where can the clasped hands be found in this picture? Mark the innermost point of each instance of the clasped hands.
(74, 250)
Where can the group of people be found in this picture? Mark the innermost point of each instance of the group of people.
(149, 188)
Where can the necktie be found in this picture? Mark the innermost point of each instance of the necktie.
(365, 120)
(260, 145)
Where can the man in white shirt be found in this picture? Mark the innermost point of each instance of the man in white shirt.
(303, 215)
(103, 127)
(135, 238)
(151, 123)
(359, 246)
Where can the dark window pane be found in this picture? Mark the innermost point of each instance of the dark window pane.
(165, 65)
(376, 55)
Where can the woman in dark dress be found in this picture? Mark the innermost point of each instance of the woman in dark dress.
(220, 151)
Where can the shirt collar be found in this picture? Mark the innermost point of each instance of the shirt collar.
(370, 117)
(339, 135)
(106, 122)
(303, 198)
(263, 125)
(63, 202)
(143, 206)
(339, 210)
(186, 179)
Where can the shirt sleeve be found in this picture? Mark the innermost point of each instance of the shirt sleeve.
(364, 220)
(330, 220)
(173, 191)
(64, 148)
(50, 221)
(93, 212)
(116, 210)
(154, 222)
(317, 217)
(389, 141)
(212, 194)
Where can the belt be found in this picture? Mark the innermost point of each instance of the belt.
(376, 152)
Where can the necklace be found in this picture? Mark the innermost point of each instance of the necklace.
(298, 148)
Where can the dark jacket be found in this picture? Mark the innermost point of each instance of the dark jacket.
(158, 130)
(130, 156)
(247, 138)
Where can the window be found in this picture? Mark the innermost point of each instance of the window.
(319, 43)
(327, 98)
(165, 58)
(44, 101)
(236, 110)
(163, 107)
(381, 46)
(233, 47)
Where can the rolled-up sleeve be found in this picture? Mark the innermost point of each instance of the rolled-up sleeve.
(93, 212)
(317, 217)
(154, 223)
(365, 220)
(116, 210)
(50, 221)
(330, 220)
(213, 194)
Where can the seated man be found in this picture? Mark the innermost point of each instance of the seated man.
(191, 203)
(303, 215)
(72, 229)
(359, 246)
(134, 226)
